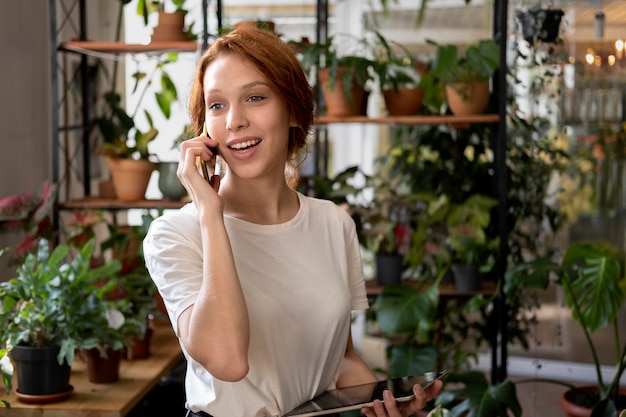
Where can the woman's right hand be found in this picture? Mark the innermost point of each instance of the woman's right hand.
(199, 189)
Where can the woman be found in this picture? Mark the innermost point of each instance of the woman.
(259, 281)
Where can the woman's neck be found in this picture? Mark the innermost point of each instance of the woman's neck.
(259, 202)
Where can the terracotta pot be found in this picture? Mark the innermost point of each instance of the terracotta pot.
(102, 369)
(404, 102)
(336, 103)
(139, 348)
(468, 98)
(171, 28)
(130, 177)
(568, 402)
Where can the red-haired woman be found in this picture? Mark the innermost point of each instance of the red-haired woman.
(259, 280)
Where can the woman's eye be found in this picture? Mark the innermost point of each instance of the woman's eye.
(256, 98)
(215, 106)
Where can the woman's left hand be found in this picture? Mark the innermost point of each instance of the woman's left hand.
(391, 408)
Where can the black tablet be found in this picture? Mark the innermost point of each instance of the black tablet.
(355, 397)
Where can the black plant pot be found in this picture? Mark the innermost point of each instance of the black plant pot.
(466, 277)
(540, 24)
(38, 371)
(388, 268)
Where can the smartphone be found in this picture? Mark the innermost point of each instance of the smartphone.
(208, 167)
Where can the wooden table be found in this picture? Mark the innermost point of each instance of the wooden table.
(137, 378)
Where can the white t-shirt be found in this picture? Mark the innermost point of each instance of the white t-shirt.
(301, 279)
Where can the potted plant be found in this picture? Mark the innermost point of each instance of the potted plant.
(134, 284)
(466, 74)
(31, 215)
(399, 77)
(342, 75)
(38, 315)
(383, 224)
(171, 23)
(127, 157)
(472, 250)
(540, 24)
(591, 275)
(124, 145)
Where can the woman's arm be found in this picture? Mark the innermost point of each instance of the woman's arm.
(353, 370)
(215, 330)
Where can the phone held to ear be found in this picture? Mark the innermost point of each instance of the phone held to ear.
(208, 168)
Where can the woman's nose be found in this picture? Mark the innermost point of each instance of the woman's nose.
(236, 118)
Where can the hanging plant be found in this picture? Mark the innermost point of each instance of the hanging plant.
(540, 24)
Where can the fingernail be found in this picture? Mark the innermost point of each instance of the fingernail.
(387, 395)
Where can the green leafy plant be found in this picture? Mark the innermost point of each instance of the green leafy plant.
(121, 137)
(473, 396)
(394, 65)
(420, 337)
(477, 62)
(315, 56)
(133, 281)
(591, 275)
(40, 307)
(467, 223)
(146, 7)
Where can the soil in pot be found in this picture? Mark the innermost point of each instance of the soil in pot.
(40, 375)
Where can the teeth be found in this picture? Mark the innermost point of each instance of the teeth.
(244, 145)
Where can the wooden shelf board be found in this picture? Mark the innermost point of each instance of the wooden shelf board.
(137, 378)
(122, 48)
(411, 120)
(488, 288)
(112, 204)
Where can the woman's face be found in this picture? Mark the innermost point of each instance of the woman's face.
(248, 119)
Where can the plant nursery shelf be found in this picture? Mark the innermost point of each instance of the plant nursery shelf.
(137, 378)
(87, 47)
(112, 204)
(412, 120)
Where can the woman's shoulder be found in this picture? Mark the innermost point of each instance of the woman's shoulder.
(175, 220)
(325, 207)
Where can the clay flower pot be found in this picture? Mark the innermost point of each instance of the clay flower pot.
(130, 177)
(467, 98)
(404, 102)
(337, 104)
